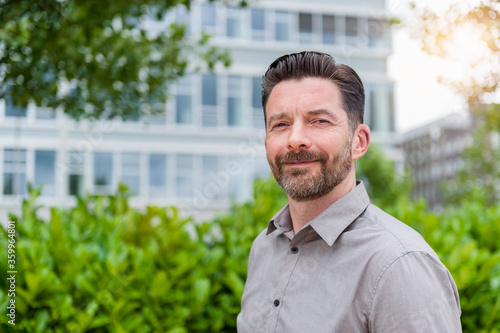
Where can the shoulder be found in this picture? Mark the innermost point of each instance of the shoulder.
(260, 243)
(394, 235)
(260, 239)
(410, 281)
(411, 290)
(418, 294)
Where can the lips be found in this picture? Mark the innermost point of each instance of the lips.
(299, 163)
(300, 159)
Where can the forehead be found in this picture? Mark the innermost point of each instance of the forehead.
(305, 95)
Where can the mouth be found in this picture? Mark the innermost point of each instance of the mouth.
(299, 163)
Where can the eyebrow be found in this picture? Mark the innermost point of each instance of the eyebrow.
(323, 112)
(276, 117)
(318, 112)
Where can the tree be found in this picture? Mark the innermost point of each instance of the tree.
(470, 32)
(96, 59)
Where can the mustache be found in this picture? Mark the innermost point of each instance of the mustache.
(301, 156)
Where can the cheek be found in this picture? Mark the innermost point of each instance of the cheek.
(271, 152)
(273, 145)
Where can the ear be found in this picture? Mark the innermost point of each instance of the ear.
(360, 141)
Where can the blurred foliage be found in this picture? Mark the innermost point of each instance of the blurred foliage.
(465, 19)
(490, 116)
(96, 59)
(103, 266)
(382, 183)
(479, 178)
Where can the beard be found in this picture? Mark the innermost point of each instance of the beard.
(303, 185)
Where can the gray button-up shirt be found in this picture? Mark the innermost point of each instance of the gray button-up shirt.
(352, 269)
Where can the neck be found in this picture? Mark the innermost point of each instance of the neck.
(302, 212)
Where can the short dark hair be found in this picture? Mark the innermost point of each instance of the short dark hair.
(297, 66)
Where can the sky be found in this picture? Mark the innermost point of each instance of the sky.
(419, 97)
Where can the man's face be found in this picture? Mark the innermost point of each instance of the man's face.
(308, 141)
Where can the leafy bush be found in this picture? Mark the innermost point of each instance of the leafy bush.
(103, 266)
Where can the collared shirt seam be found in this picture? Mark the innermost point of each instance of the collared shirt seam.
(381, 226)
(382, 273)
(379, 278)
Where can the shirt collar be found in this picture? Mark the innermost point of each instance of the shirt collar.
(330, 223)
(282, 221)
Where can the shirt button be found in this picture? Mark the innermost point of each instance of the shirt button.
(276, 302)
(294, 249)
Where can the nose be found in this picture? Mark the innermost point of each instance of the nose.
(298, 137)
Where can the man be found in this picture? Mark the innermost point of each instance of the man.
(330, 261)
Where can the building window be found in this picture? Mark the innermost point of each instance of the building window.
(103, 173)
(183, 101)
(257, 92)
(209, 100)
(209, 89)
(281, 26)
(45, 113)
(258, 19)
(234, 111)
(184, 176)
(233, 23)
(184, 109)
(45, 171)
(157, 174)
(208, 16)
(351, 30)
(12, 110)
(378, 33)
(14, 172)
(130, 173)
(305, 27)
(257, 114)
(75, 173)
(215, 183)
(240, 178)
(328, 29)
(381, 108)
(234, 101)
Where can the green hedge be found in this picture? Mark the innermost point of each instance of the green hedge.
(103, 266)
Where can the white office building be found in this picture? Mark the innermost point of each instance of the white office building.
(208, 147)
(433, 153)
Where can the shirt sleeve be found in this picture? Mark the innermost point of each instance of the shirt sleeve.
(415, 293)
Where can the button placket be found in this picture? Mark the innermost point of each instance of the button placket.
(298, 240)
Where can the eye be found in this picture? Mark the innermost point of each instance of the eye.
(321, 121)
(279, 125)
